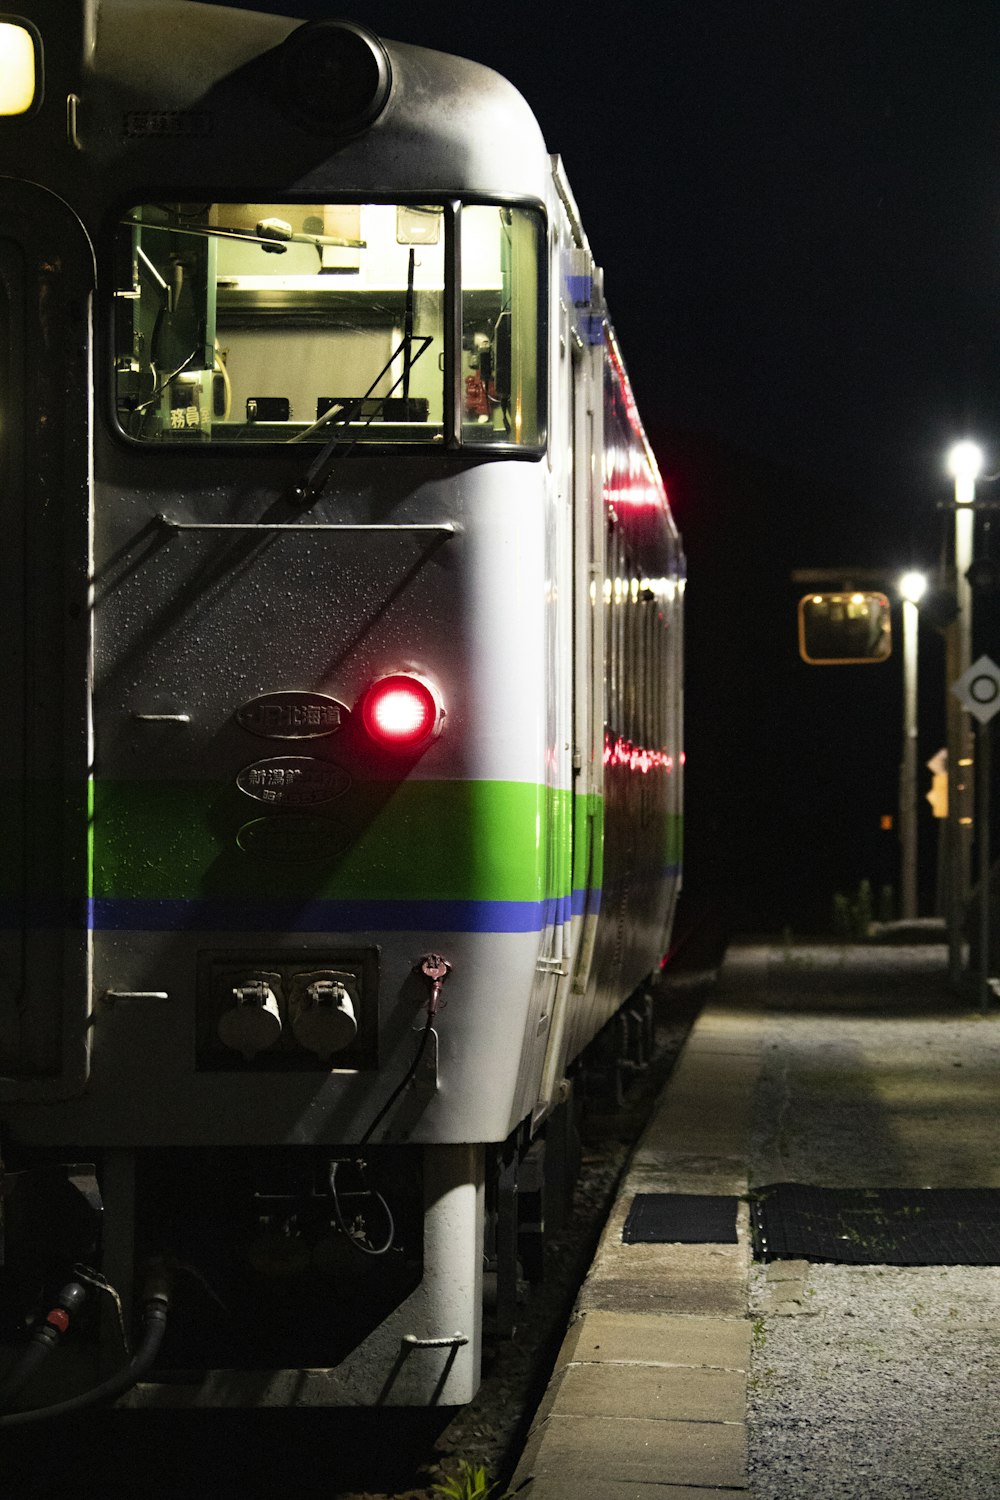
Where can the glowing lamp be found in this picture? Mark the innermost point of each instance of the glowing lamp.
(19, 69)
(965, 464)
(913, 586)
(402, 712)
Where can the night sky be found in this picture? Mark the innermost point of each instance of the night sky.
(797, 207)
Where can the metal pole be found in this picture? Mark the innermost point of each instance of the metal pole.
(964, 521)
(960, 744)
(983, 800)
(955, 905)
(908, 774)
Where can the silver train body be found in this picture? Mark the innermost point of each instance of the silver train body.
(342, 689)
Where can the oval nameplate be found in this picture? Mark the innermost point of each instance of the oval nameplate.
(293, 781)
(295, 838)
(291, 715)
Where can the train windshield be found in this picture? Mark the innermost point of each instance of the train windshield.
(265, 323)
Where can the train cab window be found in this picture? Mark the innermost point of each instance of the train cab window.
(277, 322)
(501, 326)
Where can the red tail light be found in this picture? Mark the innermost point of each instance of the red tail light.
(402, 712)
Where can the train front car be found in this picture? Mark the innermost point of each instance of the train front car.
(343, 695)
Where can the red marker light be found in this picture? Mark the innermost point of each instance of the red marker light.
(402, 712)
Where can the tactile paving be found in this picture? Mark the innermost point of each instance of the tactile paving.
(680, 1219)
(877, 1226)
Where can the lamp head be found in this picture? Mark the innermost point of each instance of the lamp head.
(913, 586)
(965, 464)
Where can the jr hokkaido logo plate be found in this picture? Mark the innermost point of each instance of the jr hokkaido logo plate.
(292, 716)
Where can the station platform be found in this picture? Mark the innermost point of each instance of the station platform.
(829, 1065)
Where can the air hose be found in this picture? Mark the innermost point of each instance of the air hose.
(45, 1336)
(156, 1300)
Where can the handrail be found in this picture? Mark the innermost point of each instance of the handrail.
(430, 528)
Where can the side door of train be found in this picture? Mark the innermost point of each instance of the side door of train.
(581, 365)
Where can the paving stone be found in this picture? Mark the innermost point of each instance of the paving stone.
(725, 1075)
(559, 1487)
(688, 1172)
(664, 1294)
(680, 1131)
(721, 1269)
(649, 1395)
(706, 1110)
(787, 1270)
(596, 1449)
(628, 1391)
(793, 1307)
(700, 1342)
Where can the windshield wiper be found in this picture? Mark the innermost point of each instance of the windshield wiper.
(270, 234)
(319, 470)
(343, 411)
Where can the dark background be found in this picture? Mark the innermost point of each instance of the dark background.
(797, 208)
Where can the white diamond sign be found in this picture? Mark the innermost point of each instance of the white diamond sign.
(978, 689)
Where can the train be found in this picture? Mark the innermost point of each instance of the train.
(342, 684)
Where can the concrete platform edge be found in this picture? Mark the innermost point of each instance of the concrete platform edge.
(648, 1392)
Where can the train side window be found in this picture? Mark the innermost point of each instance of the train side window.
(278, 322)
(501, 325)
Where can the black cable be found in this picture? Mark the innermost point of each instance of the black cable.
(359, 1244)
(407, 1078)
(154, 1323)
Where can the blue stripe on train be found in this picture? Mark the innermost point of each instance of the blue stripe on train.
(219, 914)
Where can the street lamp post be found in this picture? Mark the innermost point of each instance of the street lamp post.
(912, 587)
(965, 464)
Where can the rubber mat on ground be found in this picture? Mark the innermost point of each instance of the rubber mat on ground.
(680, 1219)
(877, 1226)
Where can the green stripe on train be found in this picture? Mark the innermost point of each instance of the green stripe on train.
(675, 839)
(477, 840)
(471, 840)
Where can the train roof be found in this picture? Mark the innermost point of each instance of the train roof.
(239, 87)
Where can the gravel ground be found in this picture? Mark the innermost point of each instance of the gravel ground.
(874, 1382)
(882, 1386)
